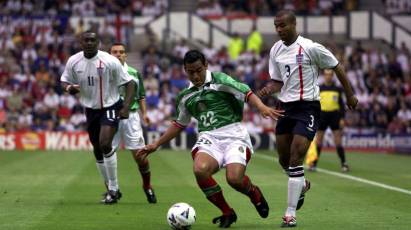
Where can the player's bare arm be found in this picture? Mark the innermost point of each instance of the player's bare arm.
(70, 88)
(272, 87)
(170, 134)
(128, 98)
(264, 110)
(349, 93)
(143, 109)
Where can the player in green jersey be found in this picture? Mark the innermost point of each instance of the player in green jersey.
(130, 130)
(216, 101)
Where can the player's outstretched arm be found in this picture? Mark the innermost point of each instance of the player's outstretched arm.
(70, 88)
(143, 109)
(170, 134)
(265, 111)
(271, 87)
(349, 93)
(128, 97)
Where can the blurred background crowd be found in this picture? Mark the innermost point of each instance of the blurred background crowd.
(33, 53)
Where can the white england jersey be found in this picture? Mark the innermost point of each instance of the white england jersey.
(297, 66)
(99, 78)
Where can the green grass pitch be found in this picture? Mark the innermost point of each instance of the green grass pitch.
(61, 190)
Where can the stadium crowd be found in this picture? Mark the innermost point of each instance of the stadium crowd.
(85, 8)
(33, 54)
(397, 6)
(236, 8)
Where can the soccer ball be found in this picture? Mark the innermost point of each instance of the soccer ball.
(181, 216)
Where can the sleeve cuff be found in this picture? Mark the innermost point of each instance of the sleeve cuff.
(335, 66)
(248, 95)
(178, 125)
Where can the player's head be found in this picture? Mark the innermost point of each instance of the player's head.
(285, 24)
(118, 50)
(89, 43)
(195, 65)
(328, 76)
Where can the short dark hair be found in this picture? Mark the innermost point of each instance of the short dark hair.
(118, 44)
(289, 14)
(90, 32)
(192, 56)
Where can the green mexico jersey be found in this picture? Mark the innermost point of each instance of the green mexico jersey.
(219, 102)
(140, 92)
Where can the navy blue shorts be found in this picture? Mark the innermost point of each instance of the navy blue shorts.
(98, 117)
(300, 117)
(330, 119)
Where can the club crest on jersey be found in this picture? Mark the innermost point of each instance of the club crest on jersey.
(299, 58)
(241, 149)
(201, 106)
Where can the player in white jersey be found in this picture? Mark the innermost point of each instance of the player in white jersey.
(130, 130)
(293, 64)
(97, 76)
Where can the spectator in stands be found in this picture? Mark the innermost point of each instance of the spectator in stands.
(396, 126)
(51, 99)
(15, 100)
(394, 68)
(275, 5)
(152, 97)
(151, 82)
(235, 46)
(254, 40)
(3, 119)
(177, 78)
(65, 125)
(403, 58)
(254, 7)
(37, 125)
(150, 8)
(78, 119)
(404, 113)
(397, 6)
(181, 48)
(209, 9)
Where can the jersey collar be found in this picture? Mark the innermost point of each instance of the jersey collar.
(295, 42)
(94, 57)
(125, 66)
(207, 79)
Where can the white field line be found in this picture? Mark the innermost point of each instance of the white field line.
(349, 177)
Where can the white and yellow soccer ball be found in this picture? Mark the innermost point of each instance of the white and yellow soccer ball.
(181, 216)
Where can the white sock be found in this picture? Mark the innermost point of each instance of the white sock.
(111, 169)
(295, 186)
(103, 172)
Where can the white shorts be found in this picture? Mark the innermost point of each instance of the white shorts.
(226, 145)
(130, 132)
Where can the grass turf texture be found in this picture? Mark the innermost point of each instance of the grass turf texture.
(61, 190)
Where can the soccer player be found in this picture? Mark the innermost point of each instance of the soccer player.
(216, 101)
(332, 115)
(130, 130)
(293, 65)
(97, 76)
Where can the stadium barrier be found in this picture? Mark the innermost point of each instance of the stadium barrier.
(372, 142)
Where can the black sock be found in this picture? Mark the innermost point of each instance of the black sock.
(319, 147)
(341, 154)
